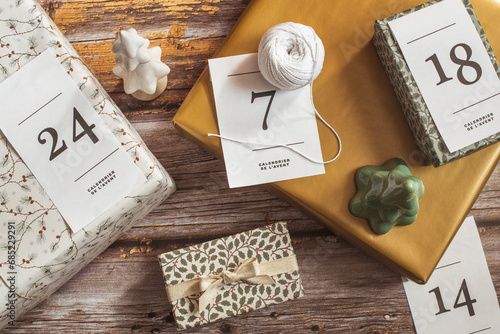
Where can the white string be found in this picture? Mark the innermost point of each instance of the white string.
(319, 162)
(290, 57)
(246, 143)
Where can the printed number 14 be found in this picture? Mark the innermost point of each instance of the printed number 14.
(464, 290)
(86, 130)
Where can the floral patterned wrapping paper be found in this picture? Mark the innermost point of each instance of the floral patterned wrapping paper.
(47, 253)
(424, 129)
(265, 244)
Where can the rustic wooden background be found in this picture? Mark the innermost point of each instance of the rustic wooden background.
(122, 290)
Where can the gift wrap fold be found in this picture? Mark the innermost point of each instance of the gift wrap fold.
(424, 129)
(47, 253)
(232, 275)
(354, 95)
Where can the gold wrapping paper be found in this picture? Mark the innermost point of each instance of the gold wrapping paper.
(354, 95)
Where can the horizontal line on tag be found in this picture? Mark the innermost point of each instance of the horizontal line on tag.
(448, 265)
(268, 148)
(97, 164)
(435, 31)
(55, 97)
(481, 330)
(233, 75)
(492, 96)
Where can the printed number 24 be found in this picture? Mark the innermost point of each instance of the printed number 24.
(86, 130)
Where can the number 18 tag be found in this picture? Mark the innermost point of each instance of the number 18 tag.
(453, 71)
(459, 297)
(64, 142)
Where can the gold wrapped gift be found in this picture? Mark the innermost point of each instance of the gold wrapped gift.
(353, 94)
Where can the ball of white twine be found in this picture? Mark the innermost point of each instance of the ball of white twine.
(291, 55)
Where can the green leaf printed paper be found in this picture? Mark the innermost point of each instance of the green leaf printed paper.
(270, 244)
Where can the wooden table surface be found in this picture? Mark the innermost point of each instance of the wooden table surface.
(122, 290)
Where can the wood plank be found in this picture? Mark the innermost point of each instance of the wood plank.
(346, 291)
(122, 290)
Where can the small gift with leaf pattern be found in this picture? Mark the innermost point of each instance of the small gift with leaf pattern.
(232, 275)
(425, 131)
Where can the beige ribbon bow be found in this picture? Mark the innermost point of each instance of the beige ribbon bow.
(249, 272)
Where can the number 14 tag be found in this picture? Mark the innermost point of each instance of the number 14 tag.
(459, 297)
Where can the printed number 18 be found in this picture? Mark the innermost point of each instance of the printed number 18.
(86, 130)
(462, 62)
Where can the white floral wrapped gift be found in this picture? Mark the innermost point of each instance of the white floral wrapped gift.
(47, 252)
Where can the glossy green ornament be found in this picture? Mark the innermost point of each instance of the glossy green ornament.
(387, 195)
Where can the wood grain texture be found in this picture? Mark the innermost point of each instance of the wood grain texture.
(122, 290)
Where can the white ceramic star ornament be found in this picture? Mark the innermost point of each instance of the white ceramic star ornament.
(144, 74)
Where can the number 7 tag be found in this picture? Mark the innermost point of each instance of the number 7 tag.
(249, 111)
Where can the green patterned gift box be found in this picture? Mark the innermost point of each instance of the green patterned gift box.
(232, 275)
(424, 129)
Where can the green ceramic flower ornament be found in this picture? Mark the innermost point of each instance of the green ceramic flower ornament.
(387, 195)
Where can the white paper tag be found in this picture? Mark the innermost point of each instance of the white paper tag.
(64, 142)
(452, 70)
(459, 297)
(251, 110)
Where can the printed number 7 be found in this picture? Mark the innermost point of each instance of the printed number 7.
(269, 93)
